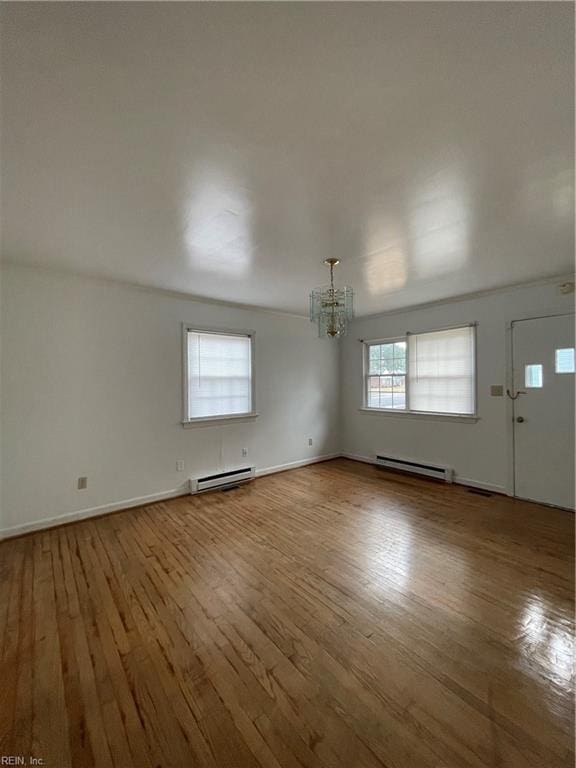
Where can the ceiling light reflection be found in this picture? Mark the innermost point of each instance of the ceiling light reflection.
(217, 226)
(439, 225)
(384, 262)
(549, 191)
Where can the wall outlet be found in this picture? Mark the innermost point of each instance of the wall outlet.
(244, 451)
(180, 465)
(309, 441)
(82, 483)
(497, 390)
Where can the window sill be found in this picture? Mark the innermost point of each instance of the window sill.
(207, 421)
(422, 415)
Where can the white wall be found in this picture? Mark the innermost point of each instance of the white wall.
(479, 452)
(92, 386)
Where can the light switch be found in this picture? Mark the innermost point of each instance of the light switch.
(497, 390)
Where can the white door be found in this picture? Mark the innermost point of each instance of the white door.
(543, 368)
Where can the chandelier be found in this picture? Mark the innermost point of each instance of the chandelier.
(331, 307)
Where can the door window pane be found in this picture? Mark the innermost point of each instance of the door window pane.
(565, 360)
(533, 376)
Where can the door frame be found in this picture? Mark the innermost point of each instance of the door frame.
(510, 434)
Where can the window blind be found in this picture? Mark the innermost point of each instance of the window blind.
(219, 374)
(441, 371)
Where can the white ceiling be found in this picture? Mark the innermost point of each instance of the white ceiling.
(225, 150)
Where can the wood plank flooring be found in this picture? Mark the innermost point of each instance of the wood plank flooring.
(334, 616)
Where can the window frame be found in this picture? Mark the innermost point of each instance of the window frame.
(199, 420)
(564, 373)
(366, 373)
(407, 411)
(539, 377)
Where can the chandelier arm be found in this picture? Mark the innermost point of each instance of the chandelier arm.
(333, 298)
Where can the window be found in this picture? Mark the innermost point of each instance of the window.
(387, 375)
(218, 374)
(431, 372)
(565, 360)
(442, 371)
(533, 376)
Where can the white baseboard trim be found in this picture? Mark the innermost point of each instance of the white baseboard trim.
(357, 457)
(183, 490)
(481, 485)
(296, 464)
(81, 514)
(458, 479)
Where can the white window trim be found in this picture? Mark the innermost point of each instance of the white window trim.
(407, 412)
(466, 418)
(222, 418)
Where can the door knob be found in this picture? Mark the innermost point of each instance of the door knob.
(520, 419)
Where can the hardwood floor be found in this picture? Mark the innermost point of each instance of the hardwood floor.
(335, 616)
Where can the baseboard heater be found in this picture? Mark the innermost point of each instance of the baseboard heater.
(221, 480)
(416, 467)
